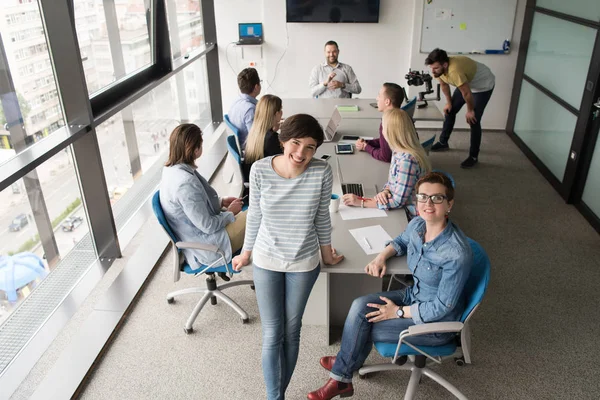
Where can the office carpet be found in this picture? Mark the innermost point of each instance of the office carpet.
(534, 337)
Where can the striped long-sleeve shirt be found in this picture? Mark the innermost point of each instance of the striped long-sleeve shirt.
(288, 219)
(405, 171)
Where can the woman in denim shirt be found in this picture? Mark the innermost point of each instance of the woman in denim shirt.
(439, 257)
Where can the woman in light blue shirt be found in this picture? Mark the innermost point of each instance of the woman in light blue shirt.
(192, 207)
(439, 257)
(288, 224)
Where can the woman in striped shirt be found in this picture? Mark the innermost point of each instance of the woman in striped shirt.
(288, 223)
(409, 163)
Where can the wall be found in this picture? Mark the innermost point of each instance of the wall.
(503, 66)
(377, 52)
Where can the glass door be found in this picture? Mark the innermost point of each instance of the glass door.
(551, 116)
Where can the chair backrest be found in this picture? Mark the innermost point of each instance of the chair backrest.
(233, 128)
(160, 216)
(447, 174)
(479, 278)
(162, 220)
(410, 106)
(428, 143)
(233, 149)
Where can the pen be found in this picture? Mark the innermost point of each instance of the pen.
(368, 244)
(363, 198)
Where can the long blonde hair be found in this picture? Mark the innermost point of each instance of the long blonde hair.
(400, 133)
(264, 120)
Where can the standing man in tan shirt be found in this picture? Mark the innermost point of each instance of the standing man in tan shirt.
(474, 83)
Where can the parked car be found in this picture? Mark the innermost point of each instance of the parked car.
(71, 223)
(19, 222)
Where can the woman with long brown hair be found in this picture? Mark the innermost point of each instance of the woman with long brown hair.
(192, 207)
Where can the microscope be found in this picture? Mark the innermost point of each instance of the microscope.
(416, 78)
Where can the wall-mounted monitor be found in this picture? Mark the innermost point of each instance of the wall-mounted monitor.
(332, 10)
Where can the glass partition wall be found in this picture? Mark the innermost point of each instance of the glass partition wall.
(89, 94)
(555, 108)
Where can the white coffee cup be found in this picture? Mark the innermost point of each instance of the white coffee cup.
(334, 205)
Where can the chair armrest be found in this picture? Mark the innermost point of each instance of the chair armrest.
(198, 246)
(434, 327)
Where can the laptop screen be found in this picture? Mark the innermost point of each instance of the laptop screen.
(253, 30)
(333, 125)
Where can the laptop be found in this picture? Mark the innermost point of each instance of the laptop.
(332, 125)
(354, 188)
(250, 33)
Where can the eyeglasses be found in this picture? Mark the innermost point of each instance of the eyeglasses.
(435, 198)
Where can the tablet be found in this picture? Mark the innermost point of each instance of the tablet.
(344, 148)
(350, 137)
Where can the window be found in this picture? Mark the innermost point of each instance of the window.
(189, 31)
(49, 195)
(132, 45)
(29, 62)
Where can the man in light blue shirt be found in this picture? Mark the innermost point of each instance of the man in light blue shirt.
(332, 79)
(241, 113)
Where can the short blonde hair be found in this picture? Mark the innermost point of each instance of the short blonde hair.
(400, 133)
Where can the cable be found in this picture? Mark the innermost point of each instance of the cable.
(269, 84)
(227, 58)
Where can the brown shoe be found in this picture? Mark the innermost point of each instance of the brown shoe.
(331, 389)
(327, 362)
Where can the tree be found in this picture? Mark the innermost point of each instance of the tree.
(23, 105)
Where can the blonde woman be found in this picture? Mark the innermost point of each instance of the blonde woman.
(409, 163)
(263, 140)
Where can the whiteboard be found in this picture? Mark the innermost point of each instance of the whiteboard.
(464, 26)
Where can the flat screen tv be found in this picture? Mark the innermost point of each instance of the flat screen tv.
(332, 10)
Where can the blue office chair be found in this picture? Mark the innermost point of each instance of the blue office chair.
(447, 174)
(410, 107)
(212, 290)
(233, 128)
(475, 289)
(427, 144)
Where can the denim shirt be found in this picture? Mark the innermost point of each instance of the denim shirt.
(241, 115)
(192, 209)
(440, 270)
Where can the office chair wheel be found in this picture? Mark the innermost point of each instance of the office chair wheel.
(188, 331)
(213, 300)
(460, 361)
(171, 300)
(245, 320)
(252, 287)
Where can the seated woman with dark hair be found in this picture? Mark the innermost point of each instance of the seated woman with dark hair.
(439, 257)
(263, 140)
(192, 207)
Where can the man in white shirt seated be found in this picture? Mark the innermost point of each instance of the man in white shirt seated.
(332, 79)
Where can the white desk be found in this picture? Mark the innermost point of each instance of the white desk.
(323, 108)
(340, 284)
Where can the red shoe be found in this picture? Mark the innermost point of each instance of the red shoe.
(331, 389)
(327, 362)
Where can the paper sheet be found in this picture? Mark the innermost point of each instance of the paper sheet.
(374, 236)
(348, 213)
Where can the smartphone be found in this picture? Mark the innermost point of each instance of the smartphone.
(325, 157)
(344, 149)
(349, 137)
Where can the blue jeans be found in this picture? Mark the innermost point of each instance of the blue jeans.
(282, 298)
(480, 99)
(359, 334)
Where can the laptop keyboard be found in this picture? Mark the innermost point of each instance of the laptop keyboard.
(354, 188)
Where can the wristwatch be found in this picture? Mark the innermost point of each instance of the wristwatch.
(400, 312)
